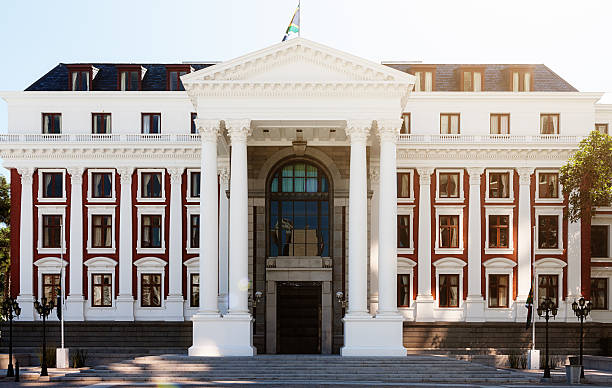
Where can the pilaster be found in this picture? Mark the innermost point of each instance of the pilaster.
(174, 301)
(125, 299)
(524, 247)
(26, 246)
(424, 300)
(75, 303)
(474, 305)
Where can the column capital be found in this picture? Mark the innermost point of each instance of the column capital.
(238, 130)
(475, 173)
(26, 174)
(209, 129)
(525, 175)
(358, 130)
(388, 130)
(374, 175)
(126, 174)
(425, 175)
(175, 174)
(76, 175)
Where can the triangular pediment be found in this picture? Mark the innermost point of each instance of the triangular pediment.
(298, 61)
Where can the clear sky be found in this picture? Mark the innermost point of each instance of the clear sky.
(571, 37)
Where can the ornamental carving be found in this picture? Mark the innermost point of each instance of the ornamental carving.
(425, 175)
(525, 175)
(388, 130)
(238, 130)
(475, 174)
(224, 176)
(374, 175)
(26, 175)
(175, 174)
(209, 129)
(76, 175)
(358, 130)
(126, 174)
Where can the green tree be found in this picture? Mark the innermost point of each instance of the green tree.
(5, 236)
(587, 182)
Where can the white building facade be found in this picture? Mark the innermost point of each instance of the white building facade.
(300, 198)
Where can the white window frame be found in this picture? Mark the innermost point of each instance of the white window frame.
(139, 197)
(191, 209)
(193, 267)
(510, 173)
(449, 266)
(549, 211)
(100, 266)
(500, 211)
(550, 266)
(408, 210)
(189, 197)
(90, 197)
(411, 172)
(103, 210)
(405, 266)
(602, 272)
(499, 266)
(150, 265)
(51, 266)
(151, 210)
(604, 220)
(52, 210)
(461, 197)
(537, 187)
(447, 210)
(40, 185)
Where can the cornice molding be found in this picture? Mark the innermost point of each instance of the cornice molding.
(483, 154)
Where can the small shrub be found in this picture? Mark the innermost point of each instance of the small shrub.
(49, 355)
(79, 358)
(514, 359)
(523, 361)
(554, 360)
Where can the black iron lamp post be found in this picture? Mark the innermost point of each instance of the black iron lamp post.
(44, 308)
(548, 308)
(582, 309)
(10, 309)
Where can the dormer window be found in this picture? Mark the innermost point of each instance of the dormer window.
(521, 79)
(80, 77)
(174, 77)
(425, 78)
(129, 78)
(471, 79)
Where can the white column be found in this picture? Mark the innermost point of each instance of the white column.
(223, 240)
(524, 240)
(574, 264)
(125, 300)
(358, 209)
(474, 305)
(374, 231)
(388, 132)
(75, 302)
(424, 300)
(26, 246)
(174, 302)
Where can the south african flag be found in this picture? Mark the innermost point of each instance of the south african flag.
(294, 26)
(529, 305)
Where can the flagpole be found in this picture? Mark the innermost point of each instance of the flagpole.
(300, 10)
(533, 287)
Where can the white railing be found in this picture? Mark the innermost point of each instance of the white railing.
(98, 138)
(497, 139)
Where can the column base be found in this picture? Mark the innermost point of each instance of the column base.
(75, 308)
(174, 308)
(125, 308)
(216, 336)
(26, 303)
(424, 308)
(367, 336)
(474, 309)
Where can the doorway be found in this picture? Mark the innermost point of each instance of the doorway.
(299, 317)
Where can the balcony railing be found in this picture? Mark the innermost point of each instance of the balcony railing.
(488, 139)
(99, 138)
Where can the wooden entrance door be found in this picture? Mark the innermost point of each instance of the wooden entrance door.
(298, 317)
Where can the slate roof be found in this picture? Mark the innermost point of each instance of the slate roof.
(495, 77)
(447, 79)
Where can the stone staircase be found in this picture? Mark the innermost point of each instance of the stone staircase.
(296, 369)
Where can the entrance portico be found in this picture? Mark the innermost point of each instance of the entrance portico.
(297, 94)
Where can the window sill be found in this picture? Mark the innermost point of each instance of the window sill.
(406, 251)
(555, 251)
(161, 250)
(150, 309)
(500, 251)
(52, 250)
(400, 199)
(101, 250)
(160, 199)
(499, 200)
(193, 250)
(101, 308)
(460, 308)
(548, 200)
(51, 200)
(452, 251)
(101, 200)
(450, 200)
(193, 199)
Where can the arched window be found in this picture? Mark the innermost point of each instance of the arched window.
(299, 211)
